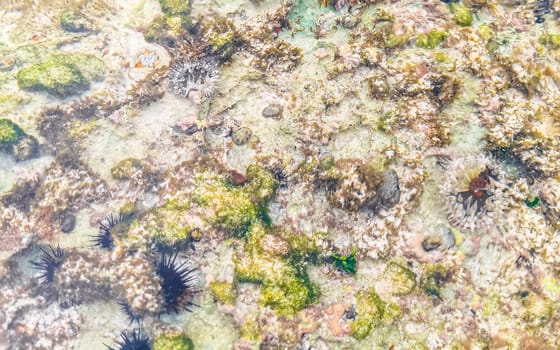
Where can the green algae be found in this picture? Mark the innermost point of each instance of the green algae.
(550, 40)
(175, 7)
(126, 168)
(345, 263)
(168, 224)
(430, 40)
(61, 75)
(285, 285)
(462, 15)
(372, 312)
(9, 134)
(173, 342)
(433, 278)
(235, 209)
(223, 291)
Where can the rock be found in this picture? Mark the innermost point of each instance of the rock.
(241, 136)
(74, 22)
(272, 111)
(68, 222)
(389, 192)
(26, 148)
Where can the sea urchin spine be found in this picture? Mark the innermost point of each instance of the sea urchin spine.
(136, 341)
(49, 262)
(176, 283)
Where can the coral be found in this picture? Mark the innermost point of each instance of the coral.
(473, 193)
(82, 277)
(137, 340)
(371, 312)
(194, 77)
(461, 14)
(135, 282)
(176, 284)
(223, 291)
(173, 342)
(61, 74)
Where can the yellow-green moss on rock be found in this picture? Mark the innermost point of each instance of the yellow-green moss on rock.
(61, 74)
(550, 40)
(223, 291)
(372, 311)
(430, 40)
(126, 168)
(168, 224)
(235, 209)
(9, 134)
(286, 287)
(173, 342)
(462, 15)
(175, 7)
(433, 278)
(402, 280)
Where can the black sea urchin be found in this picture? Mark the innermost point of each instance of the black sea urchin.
(176, 283)
(136, 341)
(130, 314)
(107, 228)
(48, 263)
(191, 76)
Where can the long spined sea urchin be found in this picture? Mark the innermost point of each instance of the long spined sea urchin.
(186, 77)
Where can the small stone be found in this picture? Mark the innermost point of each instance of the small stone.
(272, 111)
(389, 191)
(237, 178)
(431, 243)
(241, 136)
(68, 222)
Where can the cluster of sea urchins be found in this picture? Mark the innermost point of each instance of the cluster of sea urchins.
(473, 192)
(176, 279)
(194, 76)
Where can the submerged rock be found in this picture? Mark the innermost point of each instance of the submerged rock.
(272, 111)
(74, 22)
(15, 141)
(61, 75)
(388, 191)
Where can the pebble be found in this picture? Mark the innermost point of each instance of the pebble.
(389, 191)
(272, 111)
(241, 136)
(68, 222)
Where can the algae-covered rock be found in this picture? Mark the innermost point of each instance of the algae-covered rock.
(173, 342)
(175, 7)
(9, 134)
(430, 40)
(286, 287)
(61, 74)
(550, 40)
(462, 15)
(235, 209)
(126, 168)
(73, 22)
(372, 311)
(433, 278)
(223, 291)
(403, 280)
(15, 141)
(168, 224)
